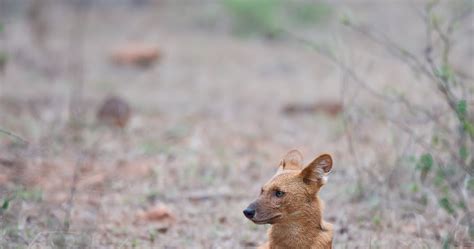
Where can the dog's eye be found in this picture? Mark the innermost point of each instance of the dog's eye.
(279, 193)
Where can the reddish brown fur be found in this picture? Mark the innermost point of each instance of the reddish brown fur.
(296, 216)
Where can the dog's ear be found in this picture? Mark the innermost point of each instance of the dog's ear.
(317, 170)
(292, 160)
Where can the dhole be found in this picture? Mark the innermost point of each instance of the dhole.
(290, 202)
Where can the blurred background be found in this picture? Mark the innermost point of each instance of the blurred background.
(153, 123)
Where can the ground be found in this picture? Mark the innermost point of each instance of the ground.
(207, 130)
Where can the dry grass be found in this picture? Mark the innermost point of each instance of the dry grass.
(207, 129)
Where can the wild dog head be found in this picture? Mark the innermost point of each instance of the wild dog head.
(290, 190)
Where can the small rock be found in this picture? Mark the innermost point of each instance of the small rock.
(222, 220)
(114, 111)
(162, 229)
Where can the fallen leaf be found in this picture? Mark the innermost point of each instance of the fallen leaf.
(92, 181)
(137, 54)
(157, 213)
(3, 179)
(330, 108)
(135, 169)
(162, 229)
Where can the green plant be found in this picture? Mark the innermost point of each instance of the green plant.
(35, 195)
(269, 17)
(255, 16)
(447, 165)
(3, 55)
(5, 205)
(445, 162)
(3, 60)
(308, 13)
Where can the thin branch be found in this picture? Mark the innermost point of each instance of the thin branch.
(392, 47)
(440, 82)
(427, 147)
(13, 135)
(72, 193)
(346, 124)
(404, 55)
(344, 68)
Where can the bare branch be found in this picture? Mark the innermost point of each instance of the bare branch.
(72, 193)
(346, 69)
(14, 136)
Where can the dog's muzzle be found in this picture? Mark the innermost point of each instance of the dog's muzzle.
(249, 212)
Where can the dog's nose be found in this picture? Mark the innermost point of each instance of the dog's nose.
(249, 213)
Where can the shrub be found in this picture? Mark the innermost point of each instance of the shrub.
(268, 17)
